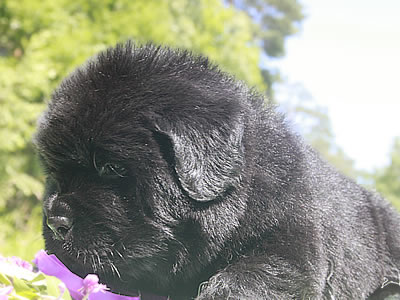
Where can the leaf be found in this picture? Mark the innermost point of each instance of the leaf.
(40, 279)
(39, 283)
(20, 285)
(28, 294)
(53, 289)
(4, 279)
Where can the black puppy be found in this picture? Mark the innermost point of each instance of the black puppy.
(167, 176)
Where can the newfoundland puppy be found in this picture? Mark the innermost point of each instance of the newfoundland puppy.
(169, 177)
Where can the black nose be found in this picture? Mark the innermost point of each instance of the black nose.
(60, 226)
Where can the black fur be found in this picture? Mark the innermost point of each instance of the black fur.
(167, 176)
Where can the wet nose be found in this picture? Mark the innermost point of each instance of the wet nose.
(60, 226)
(58, 215)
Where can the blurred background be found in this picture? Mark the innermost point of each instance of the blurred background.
(331, 66)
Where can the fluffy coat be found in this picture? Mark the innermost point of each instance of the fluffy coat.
(166, 175)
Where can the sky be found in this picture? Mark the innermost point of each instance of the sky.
(347, 56)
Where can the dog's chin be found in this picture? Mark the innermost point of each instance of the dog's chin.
(91, 260)
(118, 266)
(95, 257)
(97, 261)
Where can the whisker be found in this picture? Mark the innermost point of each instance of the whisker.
(79, 254)
(94, 264)
(115, 270)
(119, 253)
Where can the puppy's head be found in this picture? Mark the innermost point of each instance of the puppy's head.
(142, 148)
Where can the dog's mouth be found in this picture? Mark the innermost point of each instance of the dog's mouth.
(85, 253)
(96, 261)
(104, 253)
(118, 268)
(125, 258)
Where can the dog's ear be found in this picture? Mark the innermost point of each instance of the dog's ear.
(207, 160)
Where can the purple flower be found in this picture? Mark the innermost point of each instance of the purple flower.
(78, 287)
(91, 285)
(5, 291)
(17, 261)
(20, 263)
(62, 289)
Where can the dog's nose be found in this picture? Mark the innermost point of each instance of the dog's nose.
(58, 215)
(60, 226)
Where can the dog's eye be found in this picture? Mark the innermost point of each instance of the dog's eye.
(112, 170)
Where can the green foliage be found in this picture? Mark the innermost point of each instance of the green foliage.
(387, 179)
(276, 19)
(20, 233)
(43, 40)
(27, 285)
